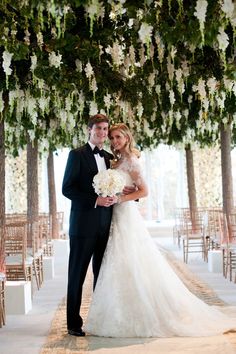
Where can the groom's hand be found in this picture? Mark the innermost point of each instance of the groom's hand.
(105, 201)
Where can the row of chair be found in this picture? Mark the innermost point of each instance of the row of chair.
(206, 229)
(25, 246)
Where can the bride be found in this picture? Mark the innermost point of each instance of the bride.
(137, 293)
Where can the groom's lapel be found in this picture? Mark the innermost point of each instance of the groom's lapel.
(107, 160)
(89, 156)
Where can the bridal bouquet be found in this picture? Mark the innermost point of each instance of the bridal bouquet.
(108, 183)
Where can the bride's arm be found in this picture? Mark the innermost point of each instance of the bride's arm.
(141, 189)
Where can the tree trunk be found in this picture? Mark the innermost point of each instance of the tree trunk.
(191, 184)
(52, 196)
(2, 197)
(226, 170)
(32, 191)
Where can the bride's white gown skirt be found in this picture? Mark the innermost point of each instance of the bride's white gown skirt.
(137, 292)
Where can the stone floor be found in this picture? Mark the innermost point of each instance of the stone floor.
(26, 334)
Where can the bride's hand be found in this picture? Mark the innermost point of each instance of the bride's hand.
(129, 189)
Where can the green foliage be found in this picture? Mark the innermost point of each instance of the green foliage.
(161, 84)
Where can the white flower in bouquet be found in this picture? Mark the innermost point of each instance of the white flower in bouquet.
(108, 183)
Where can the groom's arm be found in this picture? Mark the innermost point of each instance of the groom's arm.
(70, 185)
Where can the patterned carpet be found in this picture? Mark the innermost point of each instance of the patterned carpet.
(59, 342)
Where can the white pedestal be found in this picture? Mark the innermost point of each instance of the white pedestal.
(215, 261)
(18, 297)
(48, 268)
(61, 248)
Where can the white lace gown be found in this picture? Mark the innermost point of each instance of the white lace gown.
(137, 292)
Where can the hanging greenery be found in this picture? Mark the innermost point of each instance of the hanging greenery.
(166, 68)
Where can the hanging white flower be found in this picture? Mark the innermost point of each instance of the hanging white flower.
(200, 13)
(55, 60)
(140, 109)
(142, 56)
(146, 129)
(223, 39)
(94, 10)
(177, 119)
(158, 89)
(81, 101)
(39, 36)
(89, 70)
(206, 104)
(170, 68)
(179, 79)
(221, 100)
(228, 84)
(116, 52)
(6, 56)
(173, 52)
(33, 62)
(151, 79)
(93, 108)
(1, 102)
(79, 66)
(160, 48)
(200, 88)
(31, 133)
(93, 85)
(211, 84)
(107, 100)
(228, 8)
(172, 97)
(27, 37)
(145, 33)
(43, 103)
(185, 68)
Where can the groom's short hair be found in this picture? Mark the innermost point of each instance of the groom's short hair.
(97, 118)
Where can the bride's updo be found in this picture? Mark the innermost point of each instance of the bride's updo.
(130, 147)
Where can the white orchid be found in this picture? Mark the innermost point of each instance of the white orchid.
(79, 66)
(55, 59)
(172, 97)
(7, 57)
(1, 102)
(200, 13)
(212, 85)
(223, 39)
(33, 62)
(93, 108)
(145, 33)
(89, 70)
(228, 8)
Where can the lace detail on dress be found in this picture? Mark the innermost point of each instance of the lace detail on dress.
(131, 165)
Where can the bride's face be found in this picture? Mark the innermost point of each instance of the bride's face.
(118, 140)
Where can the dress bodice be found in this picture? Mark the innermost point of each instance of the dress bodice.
(131, 169)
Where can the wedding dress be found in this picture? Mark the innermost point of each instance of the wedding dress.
(137, 293)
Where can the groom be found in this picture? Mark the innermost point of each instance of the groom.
(90, 215)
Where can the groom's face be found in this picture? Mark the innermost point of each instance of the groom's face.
(98, 133)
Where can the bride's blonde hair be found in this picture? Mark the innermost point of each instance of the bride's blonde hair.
(130, 146)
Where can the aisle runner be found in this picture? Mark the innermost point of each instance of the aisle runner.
(59, 342)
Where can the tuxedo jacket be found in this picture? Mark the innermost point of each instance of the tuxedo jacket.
(78, 187)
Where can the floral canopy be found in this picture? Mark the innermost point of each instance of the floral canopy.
(166, 68)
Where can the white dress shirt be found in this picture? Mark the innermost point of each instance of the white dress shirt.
(99, 160)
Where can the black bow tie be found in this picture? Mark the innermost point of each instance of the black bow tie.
(96, 150)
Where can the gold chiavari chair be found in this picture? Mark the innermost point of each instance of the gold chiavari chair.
(18, 267)
(194, 235)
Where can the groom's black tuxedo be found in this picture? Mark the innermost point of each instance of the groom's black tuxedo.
(89, 226)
